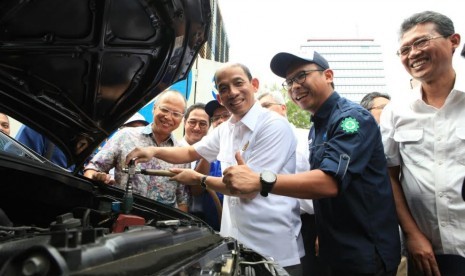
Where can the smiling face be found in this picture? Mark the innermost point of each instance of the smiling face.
(314, 91)
(167, 115)
(428, 63)
(196, 126)
(235, 90)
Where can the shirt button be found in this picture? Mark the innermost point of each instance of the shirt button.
(441, 194)
(440, 162)
(443, 223)
(439, 138)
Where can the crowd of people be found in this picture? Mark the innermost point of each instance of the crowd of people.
(370, 171)
(339, 200)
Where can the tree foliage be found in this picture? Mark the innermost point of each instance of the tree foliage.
(298, 117)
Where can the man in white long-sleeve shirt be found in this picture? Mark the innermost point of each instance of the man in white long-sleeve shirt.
(269, 224)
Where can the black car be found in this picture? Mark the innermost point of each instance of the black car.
(75, 70)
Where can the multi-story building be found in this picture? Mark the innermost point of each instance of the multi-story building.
(357, 65)
(217, 47)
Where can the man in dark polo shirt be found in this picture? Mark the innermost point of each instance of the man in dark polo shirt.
(354, 206)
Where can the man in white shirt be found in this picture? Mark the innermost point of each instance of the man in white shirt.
(274, 101)
(268, 224)
(424, 142)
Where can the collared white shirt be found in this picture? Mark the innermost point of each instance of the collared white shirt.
(303, 164)
(429, 145)
(270, 225)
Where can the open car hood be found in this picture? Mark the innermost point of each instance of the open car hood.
(76, 70)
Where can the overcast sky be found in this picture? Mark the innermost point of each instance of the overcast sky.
(258, 29)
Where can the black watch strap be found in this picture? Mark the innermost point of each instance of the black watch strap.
(267, 180)
(203, 180)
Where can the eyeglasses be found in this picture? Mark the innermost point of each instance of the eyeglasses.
(381, 107)
(193, 123)
(224, 116)
(268, 105)
(299, 78)
(166, 111)
(417, 44)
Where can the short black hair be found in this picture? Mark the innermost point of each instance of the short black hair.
(230, 65)
(193, 107)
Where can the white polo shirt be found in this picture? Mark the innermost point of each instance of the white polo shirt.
(269, 225)
(429, 145)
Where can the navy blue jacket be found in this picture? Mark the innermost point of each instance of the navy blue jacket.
(361, 221)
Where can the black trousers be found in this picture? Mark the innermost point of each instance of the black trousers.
(380, 271)
(310, 263)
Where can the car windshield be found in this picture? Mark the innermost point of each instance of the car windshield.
(10, 146)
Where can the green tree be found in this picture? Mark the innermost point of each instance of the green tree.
(298, 117)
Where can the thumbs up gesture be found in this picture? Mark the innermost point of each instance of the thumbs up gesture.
(239, 159)
(240, 180)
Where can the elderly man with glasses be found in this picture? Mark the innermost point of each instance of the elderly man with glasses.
(424, 142)
(168, 112)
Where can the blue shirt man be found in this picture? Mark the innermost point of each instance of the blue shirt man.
(208, 203)
(43, 146)
(361, 220)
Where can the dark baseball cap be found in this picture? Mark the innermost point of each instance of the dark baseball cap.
(137, 117)
(211, 106)
(281, 62)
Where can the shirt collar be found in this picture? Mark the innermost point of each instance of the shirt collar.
(459, 87)
(147, 130)
(250, 118)
(326, 108)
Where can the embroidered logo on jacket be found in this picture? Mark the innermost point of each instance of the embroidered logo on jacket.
(350, 125)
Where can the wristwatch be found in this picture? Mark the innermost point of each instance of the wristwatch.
(267, 179)
(202, 181)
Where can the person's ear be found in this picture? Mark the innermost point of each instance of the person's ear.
(455, 39)
(218, 98)
(255, 83)
(329, 75)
